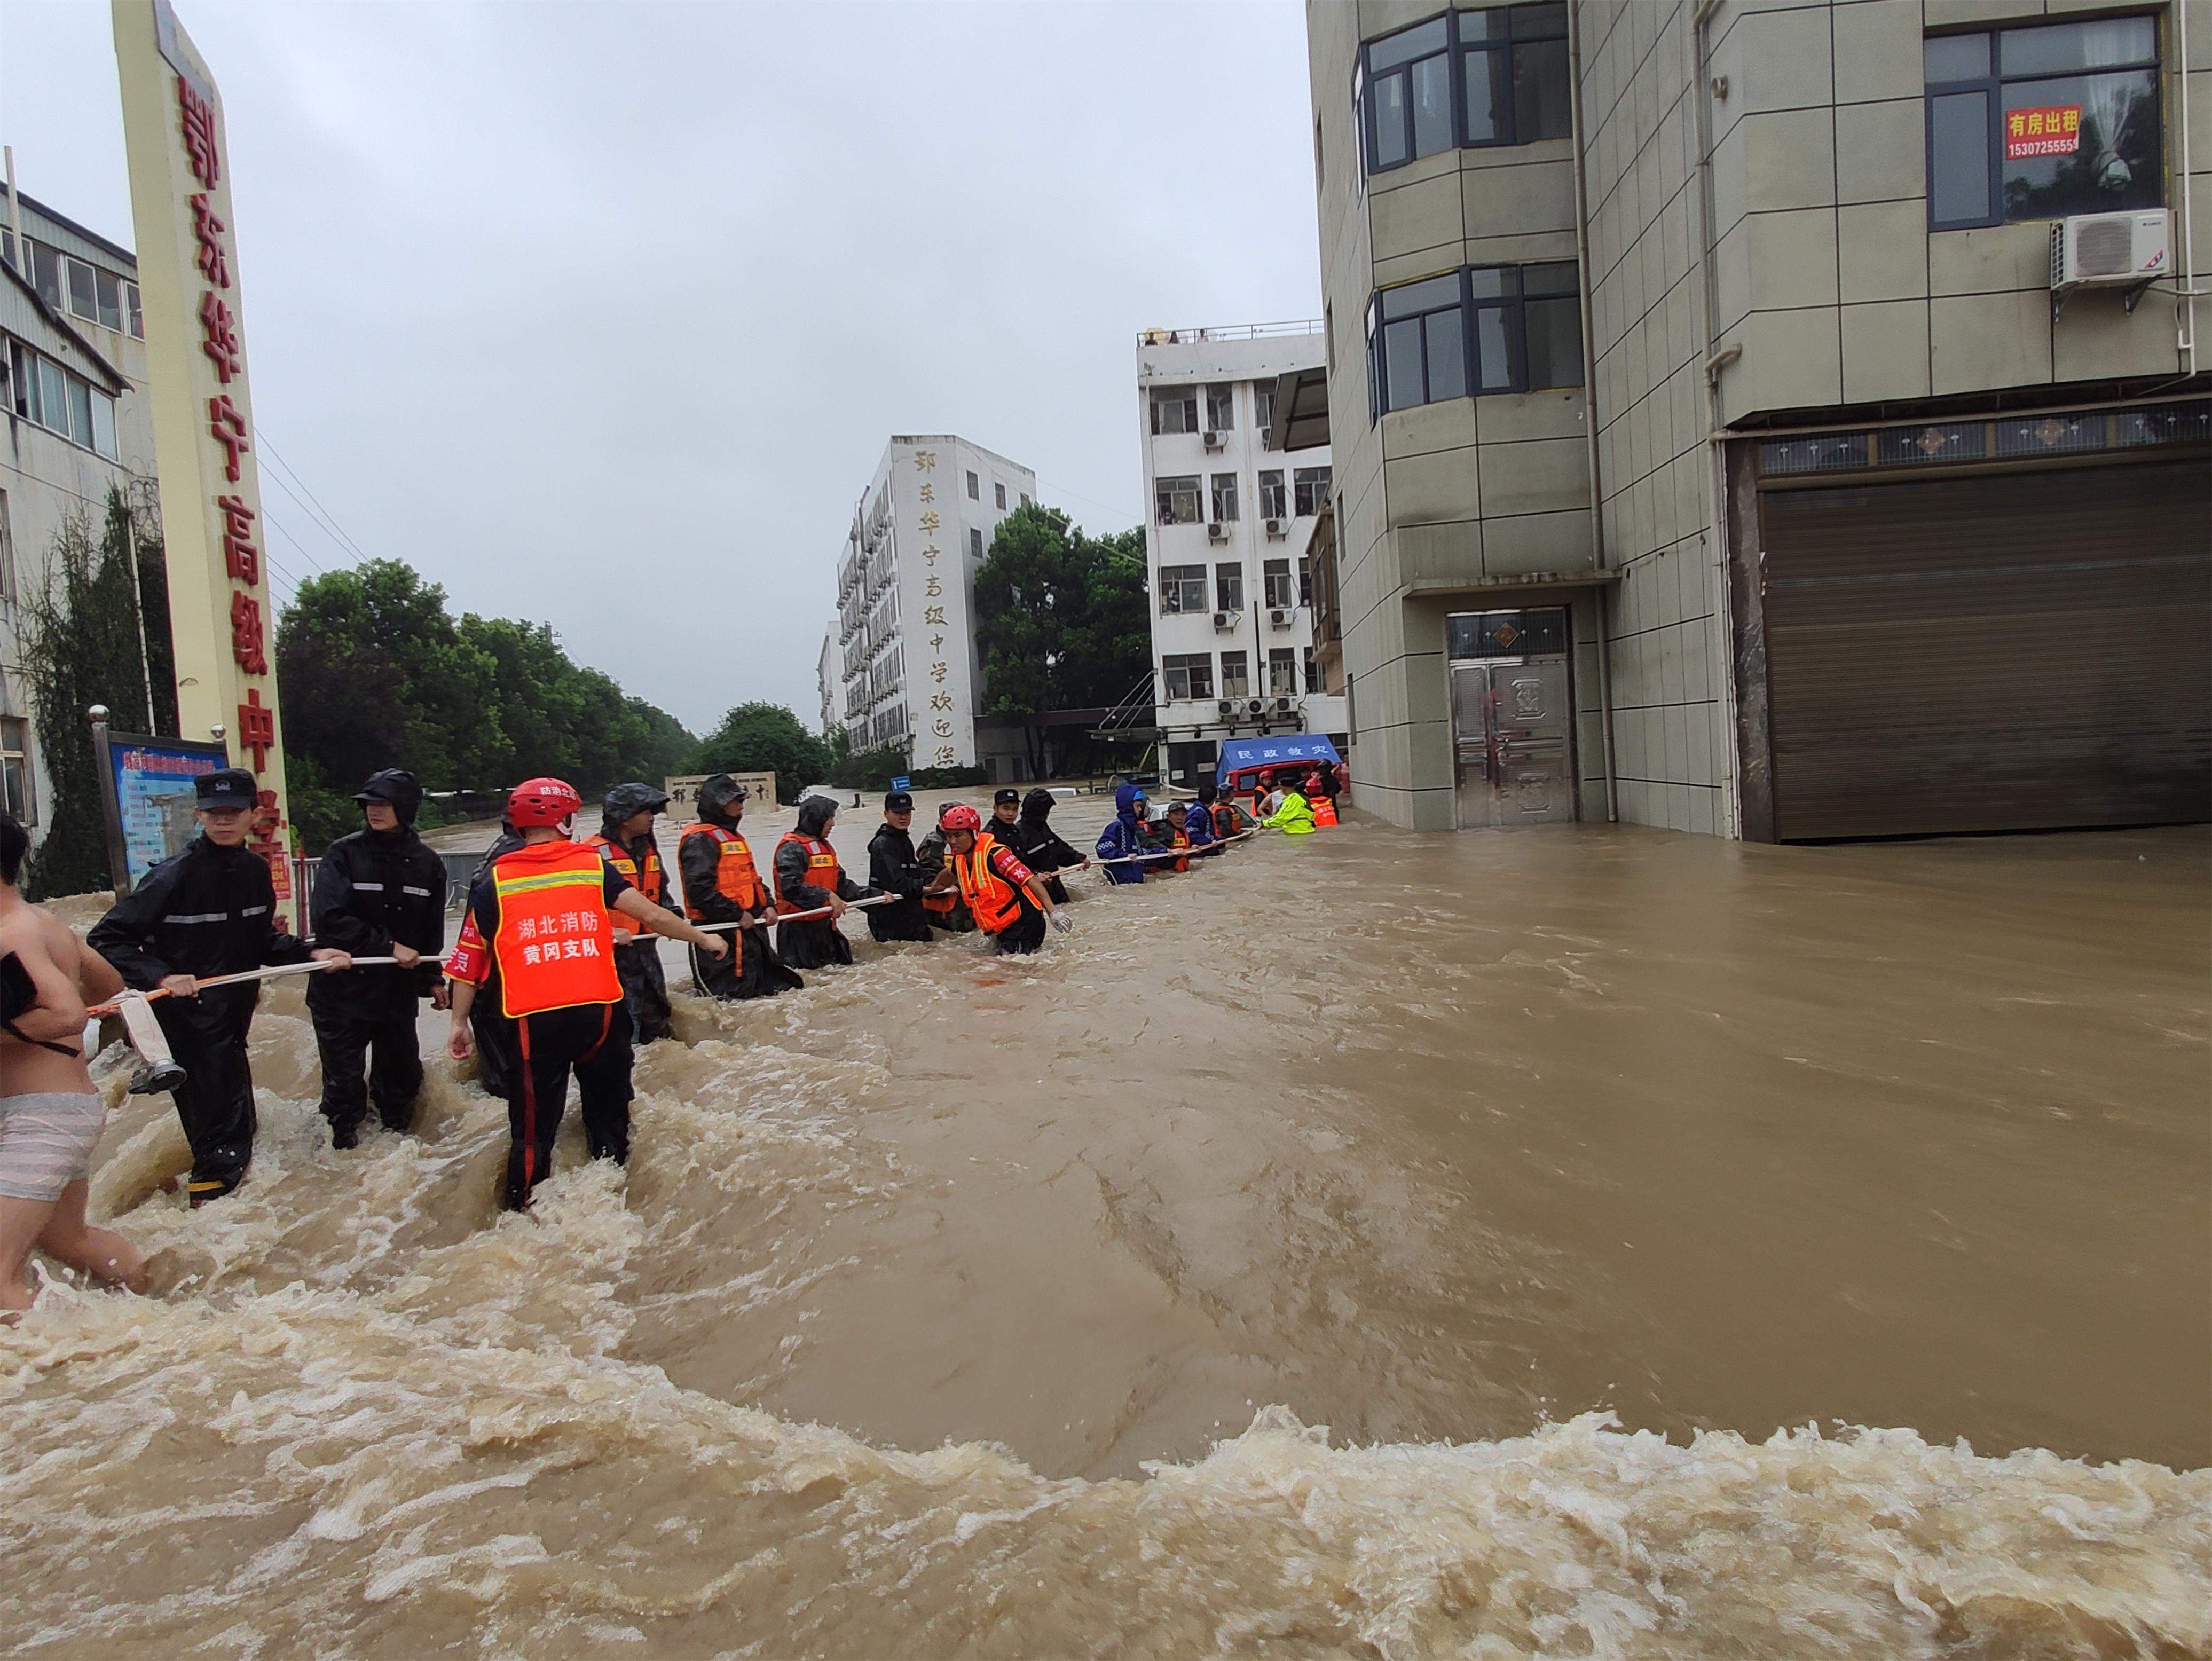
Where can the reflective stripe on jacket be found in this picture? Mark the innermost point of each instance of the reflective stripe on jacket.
(993, 899)
(555, 944)
(646, 875)
(735, 879)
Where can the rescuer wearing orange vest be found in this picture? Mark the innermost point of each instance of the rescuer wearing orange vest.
(721, 886)
(539, 938)
(807, 878)
(1008, 900)
(1175, 836)
(625, 842)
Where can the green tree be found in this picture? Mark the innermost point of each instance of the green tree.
(81, 647)
(763, 738)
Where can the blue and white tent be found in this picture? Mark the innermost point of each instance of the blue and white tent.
(1251, 755)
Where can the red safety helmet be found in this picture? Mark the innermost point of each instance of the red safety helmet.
(542, 802)
(961, 816)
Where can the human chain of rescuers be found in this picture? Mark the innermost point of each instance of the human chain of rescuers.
(552, 974)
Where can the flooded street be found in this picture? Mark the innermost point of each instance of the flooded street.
(964, 1305)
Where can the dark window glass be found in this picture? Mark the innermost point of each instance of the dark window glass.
(1540, 109)
(1235, 676)
(1447, 356)
(1505, 634)
(80, 290)
(1412, 298)
(1497, 367)
(1489, 105)
(1556, 278)
(1431, 99)
(1955, 58)
(1229, 587)
(47, 274)
(1389, 142)
(1406, 46)
(1174, 410)
(1309, 489)
(2107, 157)
(110, 300)
(2065, 47)
(1182, 588)
(1958, 158)
(1539, 20)
(1488, 281)
(1555, 343)
(1401, 363)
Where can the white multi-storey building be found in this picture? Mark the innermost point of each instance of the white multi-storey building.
(1228, 529)
(905, 633)
(829, 682)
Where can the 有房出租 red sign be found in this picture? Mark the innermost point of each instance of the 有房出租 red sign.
(2055, 130)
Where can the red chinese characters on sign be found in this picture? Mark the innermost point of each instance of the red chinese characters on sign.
(228, 426)
(268, 820)
(257, 728)
(199, 119)
(2052, 131)
(247, 637)
(219, 338)
(207, 231)
(240, 558)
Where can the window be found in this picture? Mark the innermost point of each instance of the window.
(974, 488)
(1182, 588)
(135, 318)
(7, 553)
(1276, 573)
(1487, 329)
(1236, 675)
(1175, 500)
(1225, 497)
(1220, 408)
(1305, 581)
(1282, 672)
(1188, 675)
(1274, 504)
(1263, 406)
(1229, 587)
(999, 490)
(1310, 485)
(16, 775)
(1174, 410)
(1475, 78)
(1026, 502)
(49, 395)
(1313, 672)
(975, 543)
(2040, 123)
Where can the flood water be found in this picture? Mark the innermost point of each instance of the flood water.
(1371, 1245)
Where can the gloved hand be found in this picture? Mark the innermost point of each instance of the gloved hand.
(1059, 922)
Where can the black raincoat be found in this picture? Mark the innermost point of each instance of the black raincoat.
(751, 969)
(817, 944)
(893, 868)
(1039, 844)
(644, 981)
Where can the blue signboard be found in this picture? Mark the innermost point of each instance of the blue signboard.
(902, 782)
(1246, 755)
(152, 783)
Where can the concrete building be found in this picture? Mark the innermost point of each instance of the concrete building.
(1780, 419)
(73, 372)
(830, 683)
(1227, 532)
(911, 676)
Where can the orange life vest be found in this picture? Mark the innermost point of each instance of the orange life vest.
(735, 879)
(992, 900)
(1224, 821)
(1324, 809)
(821, 867)
(555, 944)
(648, 877)
(1177, 839)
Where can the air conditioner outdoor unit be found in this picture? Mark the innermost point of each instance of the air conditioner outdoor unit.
(1275, 529)
(1281, 617)
(2111, 251)
(1213, 441)
(1214, 531)
(1282, 706)
(1223, 621)
(1266, 436)
(1224, 706)
(1255, 706)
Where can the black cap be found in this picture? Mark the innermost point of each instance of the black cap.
(899, 801)
(227, 787)
(1006, 796)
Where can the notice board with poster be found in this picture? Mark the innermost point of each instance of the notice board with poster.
(684, 792)
(147, 787)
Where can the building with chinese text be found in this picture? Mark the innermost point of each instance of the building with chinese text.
(73, 375)
(1781, 421)
(1227, 532)
(911, 674)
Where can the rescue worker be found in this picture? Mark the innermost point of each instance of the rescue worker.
(947, 910)
(625, 842)
(807, 878)
(721, 885)
(1174, 836)
(379, 893)
(206, 911)
(1293, 814)
(894, 868)
(1007, 899)
(1126, 836)
(1220, 818)
(1005, 808)
(1039, 847)
(491, 1059)
(1198, 823)
(537, 944)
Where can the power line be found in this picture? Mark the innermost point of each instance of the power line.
(339, 533)
(1061, 489)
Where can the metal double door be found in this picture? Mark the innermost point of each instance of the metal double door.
(1513, 742)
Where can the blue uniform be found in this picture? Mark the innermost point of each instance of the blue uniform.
(1125, 836)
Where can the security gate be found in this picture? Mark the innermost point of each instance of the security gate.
(1512, 718)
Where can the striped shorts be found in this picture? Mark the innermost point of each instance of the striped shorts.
(46, 1140)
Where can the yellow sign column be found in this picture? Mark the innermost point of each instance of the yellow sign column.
(220, 611)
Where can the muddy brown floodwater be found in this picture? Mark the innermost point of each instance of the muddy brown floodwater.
(1370, 1245)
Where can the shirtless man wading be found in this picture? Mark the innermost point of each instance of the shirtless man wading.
(51, 1117)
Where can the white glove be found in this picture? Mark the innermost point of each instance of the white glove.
(1060, 922)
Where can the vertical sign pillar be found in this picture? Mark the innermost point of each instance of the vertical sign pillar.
(203, 416)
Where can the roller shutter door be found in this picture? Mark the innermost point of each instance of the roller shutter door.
(2007, 651)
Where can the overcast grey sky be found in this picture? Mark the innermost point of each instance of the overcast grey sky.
(601, 314)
